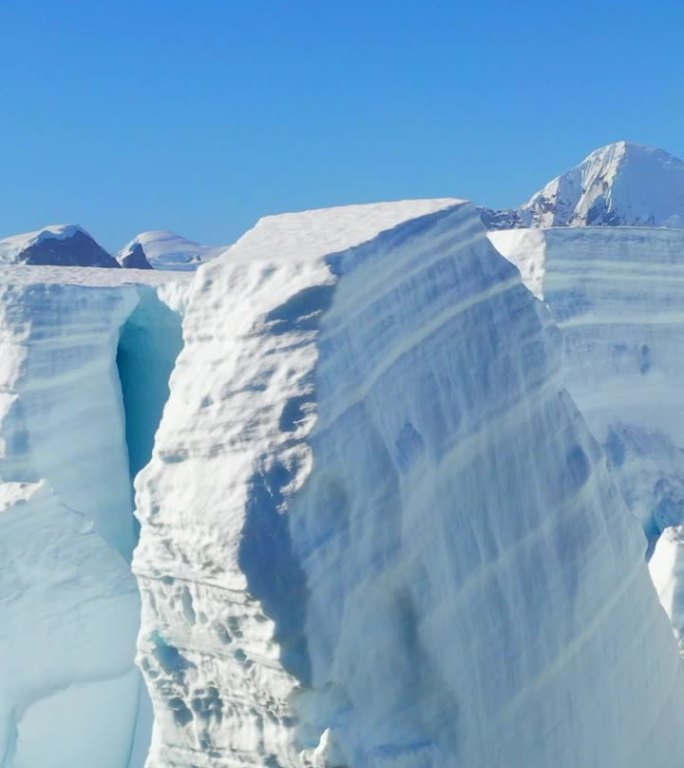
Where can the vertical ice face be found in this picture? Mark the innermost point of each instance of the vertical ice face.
(70, 695)
(375, 529)
(616, 295)
(68, 690)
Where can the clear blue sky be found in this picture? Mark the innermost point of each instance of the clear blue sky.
(201, 116)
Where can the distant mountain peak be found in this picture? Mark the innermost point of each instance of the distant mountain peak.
(162, 249)
(133, 257)
(620, 184)
(67, 245)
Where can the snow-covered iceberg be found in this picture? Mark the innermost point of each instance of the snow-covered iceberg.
(376, 530)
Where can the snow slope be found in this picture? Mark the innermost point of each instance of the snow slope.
(165, 250)
(59, 245)
(622, 184)
(375, 528)
(69, 692)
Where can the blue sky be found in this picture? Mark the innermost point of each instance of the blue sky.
(200, 117)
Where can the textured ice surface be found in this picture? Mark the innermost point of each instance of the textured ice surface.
(376, 530)
(69, 692)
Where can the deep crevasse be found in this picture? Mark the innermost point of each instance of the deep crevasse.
(375, 529)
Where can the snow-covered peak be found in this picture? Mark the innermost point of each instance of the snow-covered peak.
(56, 244)
(621, 184)
(166, 250)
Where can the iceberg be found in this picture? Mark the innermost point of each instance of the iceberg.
(376, 529)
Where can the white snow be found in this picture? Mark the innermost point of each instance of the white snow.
(165, 250)
(376, 530)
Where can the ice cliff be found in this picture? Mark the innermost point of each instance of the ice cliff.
(373, 527)
(70, 696)
(616, 295)
(376, 531)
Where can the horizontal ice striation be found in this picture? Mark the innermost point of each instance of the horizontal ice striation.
(375, 529)
(69, 690)
(618, 297)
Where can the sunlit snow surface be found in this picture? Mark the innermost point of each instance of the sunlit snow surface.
(375, 528)
(70, 695)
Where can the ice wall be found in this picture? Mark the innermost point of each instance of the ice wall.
(70, 694)
(618, 297)
(375, 529)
